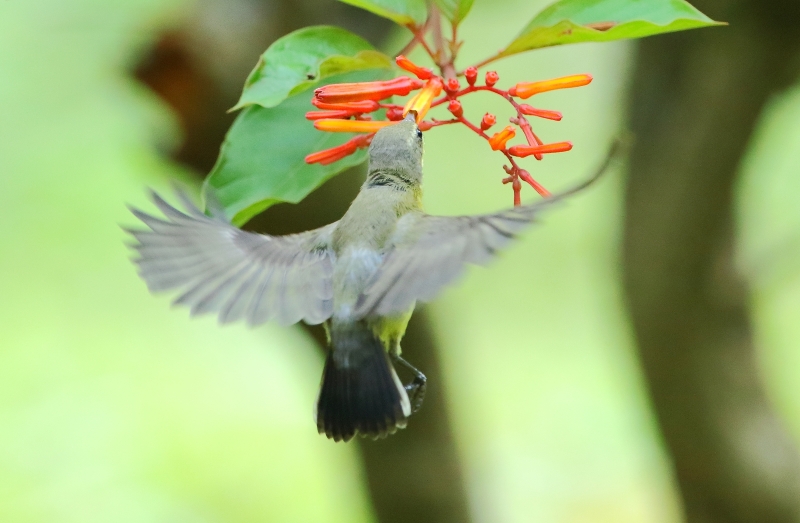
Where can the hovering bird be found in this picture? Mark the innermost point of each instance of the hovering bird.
(361, 276)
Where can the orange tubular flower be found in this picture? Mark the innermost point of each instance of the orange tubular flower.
(498, 140)
(423, 73)
(527, 89)
(350, 126)
(541, 113)
(359, 91)
(526, 176)
(421, 102)
(526, 150)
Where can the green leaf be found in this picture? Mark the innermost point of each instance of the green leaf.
(262, 161)
(408, 13)
(454, 10)
(574, 21)
(300, 59)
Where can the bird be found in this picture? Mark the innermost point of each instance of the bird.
(360, 276)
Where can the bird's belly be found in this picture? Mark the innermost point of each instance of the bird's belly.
(354, 268)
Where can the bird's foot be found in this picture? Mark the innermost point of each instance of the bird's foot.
(416, 389)
(416, 392)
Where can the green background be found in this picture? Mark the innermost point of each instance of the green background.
(113, 407)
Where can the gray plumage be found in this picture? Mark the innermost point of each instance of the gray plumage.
(233, 273)
(257, 277)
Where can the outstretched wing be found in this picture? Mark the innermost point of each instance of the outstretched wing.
(428, 252)
(234, 273)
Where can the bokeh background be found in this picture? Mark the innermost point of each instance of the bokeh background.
(559, 397)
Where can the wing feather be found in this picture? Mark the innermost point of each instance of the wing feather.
(426, 253)
(235, 274)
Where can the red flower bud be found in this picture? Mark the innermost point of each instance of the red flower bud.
(491, 78)
(394, 114)
(526, 150)
(471, 74)
(351, 126)
(455, 107)
(425, 125)
(488, 121)
(423, 73)
(498, 140)
(452, 85)
(354, 92)
(527, 89)
(517, 187)
(541, 113)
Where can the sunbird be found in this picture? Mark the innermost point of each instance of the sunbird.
(360, 276)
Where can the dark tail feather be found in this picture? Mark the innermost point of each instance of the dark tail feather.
(361, 393)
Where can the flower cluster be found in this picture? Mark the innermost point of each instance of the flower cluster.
(348, 107)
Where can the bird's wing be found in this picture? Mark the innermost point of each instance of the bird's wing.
(428, 252)
(234, 273)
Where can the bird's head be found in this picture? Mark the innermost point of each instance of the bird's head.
(398, 147)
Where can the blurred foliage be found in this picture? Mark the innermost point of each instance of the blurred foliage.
(115, 408)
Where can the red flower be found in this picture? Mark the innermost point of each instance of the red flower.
(354, 92)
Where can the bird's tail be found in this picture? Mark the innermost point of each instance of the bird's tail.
(360, 390)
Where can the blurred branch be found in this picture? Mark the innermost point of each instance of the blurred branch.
(696, 98)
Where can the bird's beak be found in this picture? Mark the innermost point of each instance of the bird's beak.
(411, 117)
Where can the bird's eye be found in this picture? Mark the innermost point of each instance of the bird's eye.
(419, 134)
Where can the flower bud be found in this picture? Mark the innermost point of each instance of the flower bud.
(359, 91)
(395, 114)
(423, 73)
(455, 107)
(452, 85)
(351, 126)
(541, 113)
(491, 78)
(517, 187)
(471, 74)
(488, 121)
(526, 150)
(498, 140)
(527, 89)
(425, 125)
